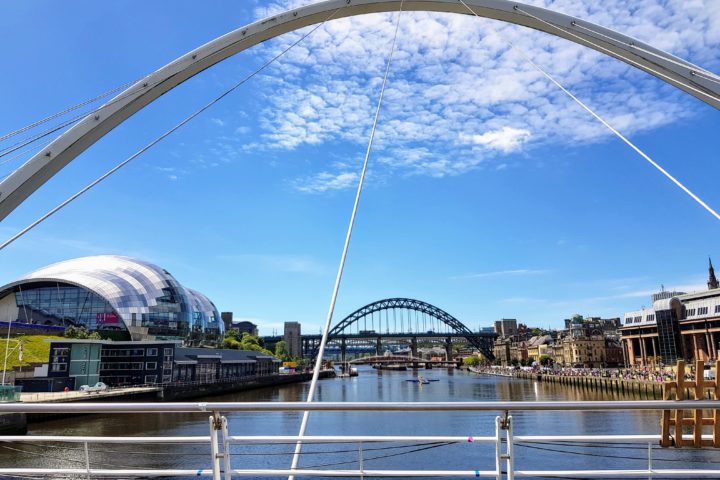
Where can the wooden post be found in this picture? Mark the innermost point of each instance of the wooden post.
(716, 413)
(699, 394)
(679, 395)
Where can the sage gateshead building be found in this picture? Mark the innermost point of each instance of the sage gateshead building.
(123, 297)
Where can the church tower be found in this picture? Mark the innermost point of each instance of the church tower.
(712, 280)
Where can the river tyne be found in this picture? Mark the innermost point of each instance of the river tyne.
(371, 385)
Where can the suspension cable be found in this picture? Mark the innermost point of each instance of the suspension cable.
(592, 112)
(164, 135)
(343, 256)
(695, 70)
(67, 110)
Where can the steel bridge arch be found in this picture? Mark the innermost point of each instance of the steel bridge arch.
(419, 306)
(66, 147)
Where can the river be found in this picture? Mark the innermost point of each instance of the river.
(370, 385)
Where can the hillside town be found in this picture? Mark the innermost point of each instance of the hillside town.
(678, 326)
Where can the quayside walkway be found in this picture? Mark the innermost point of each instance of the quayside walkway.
(223, 461)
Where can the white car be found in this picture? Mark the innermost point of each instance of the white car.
(98, 387)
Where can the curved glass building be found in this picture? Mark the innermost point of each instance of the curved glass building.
(113, 293)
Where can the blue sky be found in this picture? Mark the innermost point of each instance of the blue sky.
(490, 194)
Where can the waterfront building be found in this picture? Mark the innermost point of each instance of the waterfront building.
(246, 327)
(130, 298)
(86, 362)
(519, 350)
(292, 338)
(204, 365)
(227, 319)
(579, 326)
(677, 326)
(501, 349)
(506, 327)
(538, 346)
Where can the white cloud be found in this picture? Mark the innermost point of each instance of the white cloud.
(326, 181)
(218, 122)
(507, 139)
(502, 273)
(454, 78)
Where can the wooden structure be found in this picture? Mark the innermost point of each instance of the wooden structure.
(674, 421)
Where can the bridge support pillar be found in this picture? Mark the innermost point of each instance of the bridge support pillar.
(378, 347)
(448, 349)
(414, 351)
(343, 350)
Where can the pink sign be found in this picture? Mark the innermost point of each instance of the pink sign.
(106, 318)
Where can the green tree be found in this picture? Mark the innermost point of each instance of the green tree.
(280, 351)
(545, 360)
(472, 361)
(231, 343)
(514, 362)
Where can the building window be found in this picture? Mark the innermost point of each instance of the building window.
(152, 352)
(717, 308)
(702, 311)
(150, 378)
(59, 367)
(168, 351)
(650, 317)
(151, 366)
(690, 312)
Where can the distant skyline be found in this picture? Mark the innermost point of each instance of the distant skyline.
(490, 194)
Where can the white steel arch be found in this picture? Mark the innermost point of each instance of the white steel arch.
(46, 163)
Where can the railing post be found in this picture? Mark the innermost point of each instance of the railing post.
(87, 460)
(509, 448)
(650, 461)
(215, 426)
(226, 449)
(498, 448)
(362, 466)
(504, 424)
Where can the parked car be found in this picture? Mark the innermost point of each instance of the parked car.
(98, 387)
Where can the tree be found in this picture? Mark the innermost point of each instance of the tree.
(472, 361)
(280, 351)
(71, 331)
(514, 362)
(545, 360)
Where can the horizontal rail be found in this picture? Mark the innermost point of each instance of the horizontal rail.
(356, 406)
(269, 439)
(112, 473)
(91, 439)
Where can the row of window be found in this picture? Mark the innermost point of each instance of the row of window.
(136, 352)
(128, 366)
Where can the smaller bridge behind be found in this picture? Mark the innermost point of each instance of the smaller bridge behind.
(402, 360)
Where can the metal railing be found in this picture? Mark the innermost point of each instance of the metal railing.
(221, 441)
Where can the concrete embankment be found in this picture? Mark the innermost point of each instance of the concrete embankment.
(166, 393)
(172, 393)
(610, 386)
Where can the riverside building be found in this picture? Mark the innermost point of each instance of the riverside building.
(126, 298)
(677, 326)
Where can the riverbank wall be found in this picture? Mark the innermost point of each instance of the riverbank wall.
(172, 393)
(638, 389)
(166, 393)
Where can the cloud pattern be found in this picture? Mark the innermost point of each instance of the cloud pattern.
(459, 98)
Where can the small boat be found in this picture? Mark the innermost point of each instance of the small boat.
(422, 381)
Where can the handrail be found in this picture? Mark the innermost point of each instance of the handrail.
(222, 442)
(200, 407)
